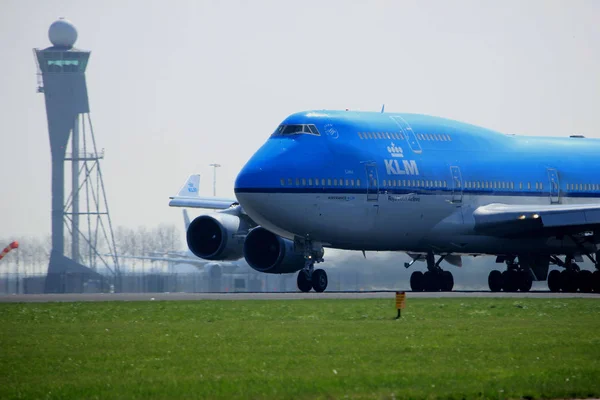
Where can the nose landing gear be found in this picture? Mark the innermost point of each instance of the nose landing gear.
(308, 277)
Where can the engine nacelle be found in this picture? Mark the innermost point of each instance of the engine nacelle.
(266, 252)
(216, 237)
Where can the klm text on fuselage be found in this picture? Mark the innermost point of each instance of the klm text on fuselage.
(406, 167)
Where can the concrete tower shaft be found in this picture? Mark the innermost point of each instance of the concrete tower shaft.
(65, 94)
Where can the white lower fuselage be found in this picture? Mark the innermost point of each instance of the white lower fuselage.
(414, 222)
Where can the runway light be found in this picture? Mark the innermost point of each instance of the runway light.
(536, 216)
(522, 217)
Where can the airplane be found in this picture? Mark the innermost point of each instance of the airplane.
(190, 189)
(435, 188)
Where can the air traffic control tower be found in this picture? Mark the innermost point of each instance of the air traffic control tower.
(90, 240)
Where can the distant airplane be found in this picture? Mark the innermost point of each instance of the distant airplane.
(428, 186)
(189, 190)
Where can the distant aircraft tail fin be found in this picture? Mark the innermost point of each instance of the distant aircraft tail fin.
(191, 187)
(186, 219)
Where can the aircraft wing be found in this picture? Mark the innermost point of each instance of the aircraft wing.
(217, 203)
(551, 219)
(176, 260)
(188, 197)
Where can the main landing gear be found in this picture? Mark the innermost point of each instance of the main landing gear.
(435, 279)
(572, 278)
(517, 277)
(309, 277)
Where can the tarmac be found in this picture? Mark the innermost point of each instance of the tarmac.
(76, 297)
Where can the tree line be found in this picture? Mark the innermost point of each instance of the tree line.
(33, 254)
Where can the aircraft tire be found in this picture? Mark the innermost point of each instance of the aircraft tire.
(319, 280)
(554, 281)
(525, 281)
(430, 282)
(569, 281)
(495, 281)
(447, 281)
(303, 283)
(511, 281)
(585, 279)
(596, 281)
(416, 281)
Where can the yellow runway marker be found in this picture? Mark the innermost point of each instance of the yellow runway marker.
(400, 302)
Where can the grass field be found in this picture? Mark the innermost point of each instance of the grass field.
(440, 348)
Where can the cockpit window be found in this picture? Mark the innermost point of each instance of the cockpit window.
(299, 129)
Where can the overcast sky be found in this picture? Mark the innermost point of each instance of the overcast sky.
(177, 85)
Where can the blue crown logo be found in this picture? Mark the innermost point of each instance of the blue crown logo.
(395, 151)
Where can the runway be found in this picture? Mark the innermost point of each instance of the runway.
(75, 297)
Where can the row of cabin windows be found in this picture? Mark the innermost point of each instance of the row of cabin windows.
(582, 186)
(500, 185)
(535, 186)
(413, 183)
(429, 183)
(489, 185)
(399, 136)
(432, 137)
(320, 182)
(381, 135)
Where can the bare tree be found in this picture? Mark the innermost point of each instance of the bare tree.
(167, 236)
(145, 242)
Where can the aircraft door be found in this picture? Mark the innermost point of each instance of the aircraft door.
(372, 182)
(457, 184)
(554, 186)
(409, 134)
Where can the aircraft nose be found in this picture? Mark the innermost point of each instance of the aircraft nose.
(281, 158)
(261, 169)
(250, 176)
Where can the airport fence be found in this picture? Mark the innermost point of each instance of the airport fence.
(339, 280)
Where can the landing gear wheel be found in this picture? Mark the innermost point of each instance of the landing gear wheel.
(585, 281)
(569, 281)
(554, 281)
(511, 281)
(525, 281)
(596, 281)
(417, 281)
(495, 281)
(447, 281)
(319, 280)
(304, 284)
(431, 281)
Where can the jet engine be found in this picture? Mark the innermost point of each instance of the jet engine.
(216, 236)
(266, 252)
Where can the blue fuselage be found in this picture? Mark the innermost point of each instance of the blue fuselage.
(383, 181)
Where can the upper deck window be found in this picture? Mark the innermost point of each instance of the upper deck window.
(296, 129)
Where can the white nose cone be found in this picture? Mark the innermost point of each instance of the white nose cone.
(62, 33)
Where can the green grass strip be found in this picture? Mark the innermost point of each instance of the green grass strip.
(440, 348)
